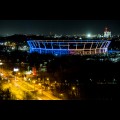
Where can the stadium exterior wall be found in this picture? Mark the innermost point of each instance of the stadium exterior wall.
(73, 47)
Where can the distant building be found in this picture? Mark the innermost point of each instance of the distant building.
(107, 34)
(34, 71)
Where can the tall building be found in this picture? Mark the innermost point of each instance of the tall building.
(107, 33)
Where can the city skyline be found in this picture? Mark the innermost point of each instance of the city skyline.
(9, 27)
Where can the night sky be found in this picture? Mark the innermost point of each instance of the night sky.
(58, 26)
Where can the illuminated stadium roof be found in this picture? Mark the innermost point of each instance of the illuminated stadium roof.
(73, 47)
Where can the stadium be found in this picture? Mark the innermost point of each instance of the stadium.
(69, 47)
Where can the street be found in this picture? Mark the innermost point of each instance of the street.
(19, 89)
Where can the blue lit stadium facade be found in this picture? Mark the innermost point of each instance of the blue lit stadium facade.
(73, 47)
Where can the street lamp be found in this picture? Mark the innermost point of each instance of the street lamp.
(48, 81)
(34, 81)
(73, 88)
(61, 95)
(39, 84)
(1, 65)
(40, 88)
(90, 79)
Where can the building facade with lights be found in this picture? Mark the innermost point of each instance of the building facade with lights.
(107, 33)
(72, 47)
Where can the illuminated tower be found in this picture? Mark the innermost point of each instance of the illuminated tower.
(107, 34)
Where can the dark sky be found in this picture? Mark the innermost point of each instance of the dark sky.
(58, 26)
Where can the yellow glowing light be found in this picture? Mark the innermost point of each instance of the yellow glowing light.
(73, 88)
(39, 84)
(48, 88)
(1, 63)
(34, 81)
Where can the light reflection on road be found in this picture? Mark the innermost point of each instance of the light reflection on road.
(19, 88)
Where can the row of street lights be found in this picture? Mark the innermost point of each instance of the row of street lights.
(39, 84)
